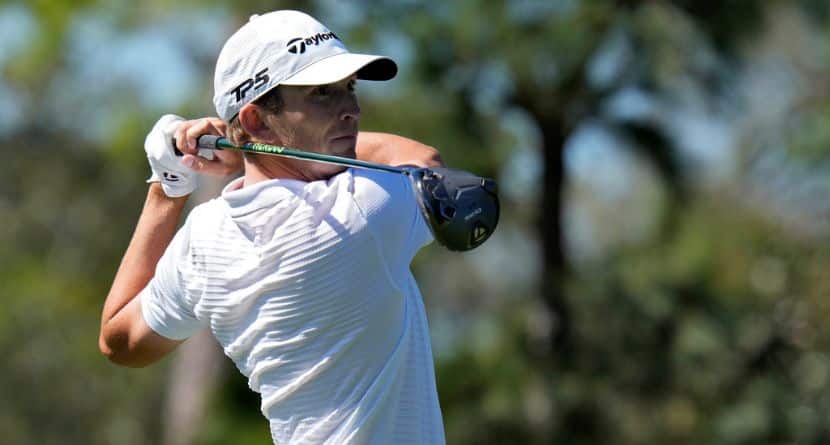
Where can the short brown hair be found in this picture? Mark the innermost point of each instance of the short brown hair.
(271, 101)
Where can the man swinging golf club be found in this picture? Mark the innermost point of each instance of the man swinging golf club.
(299, 269)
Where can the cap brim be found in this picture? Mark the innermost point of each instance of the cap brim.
(338, 67)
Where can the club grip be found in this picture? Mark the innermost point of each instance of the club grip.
(204, 142)
(208, 141)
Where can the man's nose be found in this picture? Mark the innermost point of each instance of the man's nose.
(350, 109)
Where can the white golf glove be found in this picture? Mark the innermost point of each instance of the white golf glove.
(176, 178)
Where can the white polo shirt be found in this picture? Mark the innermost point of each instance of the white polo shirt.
(307, 287)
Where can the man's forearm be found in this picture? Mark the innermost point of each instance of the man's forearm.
(390, 149)
(155, 229)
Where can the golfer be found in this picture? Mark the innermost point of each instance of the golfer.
(299, 269)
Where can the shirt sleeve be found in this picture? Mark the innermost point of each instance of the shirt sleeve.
(392, 212)
(164, 301)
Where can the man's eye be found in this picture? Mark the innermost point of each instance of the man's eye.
(321, 91)
(352, 86)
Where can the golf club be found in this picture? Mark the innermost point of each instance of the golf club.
(462, 209)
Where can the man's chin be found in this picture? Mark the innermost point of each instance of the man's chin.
(351, 154)
(322, 172)
(345, 152)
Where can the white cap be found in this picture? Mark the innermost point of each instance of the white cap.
(286, 48)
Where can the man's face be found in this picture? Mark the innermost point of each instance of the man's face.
(323, 119)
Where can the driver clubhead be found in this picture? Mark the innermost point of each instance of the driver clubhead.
(462, 209)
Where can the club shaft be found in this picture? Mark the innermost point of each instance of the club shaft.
(219, 143)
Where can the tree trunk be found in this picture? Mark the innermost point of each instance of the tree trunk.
(194, 376)
(551, 230)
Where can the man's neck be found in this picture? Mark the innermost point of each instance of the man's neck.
(258, 170)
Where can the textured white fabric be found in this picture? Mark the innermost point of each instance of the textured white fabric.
(290, 48)
(307, 288)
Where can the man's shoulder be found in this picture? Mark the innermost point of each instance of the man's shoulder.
(373, 181)
(206, 217)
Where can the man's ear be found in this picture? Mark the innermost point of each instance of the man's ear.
(253, 122)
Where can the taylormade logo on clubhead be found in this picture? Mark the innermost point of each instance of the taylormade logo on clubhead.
(480, 233)
(473, 214)
(297, 45)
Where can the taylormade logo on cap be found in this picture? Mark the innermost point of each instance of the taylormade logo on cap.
(285, 48)
(297, 45)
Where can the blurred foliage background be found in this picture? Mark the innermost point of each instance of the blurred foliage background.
(660, 274)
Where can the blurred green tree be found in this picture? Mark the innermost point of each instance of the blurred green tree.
(709, 329)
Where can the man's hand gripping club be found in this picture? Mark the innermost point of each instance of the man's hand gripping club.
(178, 174)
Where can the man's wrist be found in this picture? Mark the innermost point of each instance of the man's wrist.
(156, 192)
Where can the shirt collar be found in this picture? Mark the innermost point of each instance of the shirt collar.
(245, 199)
